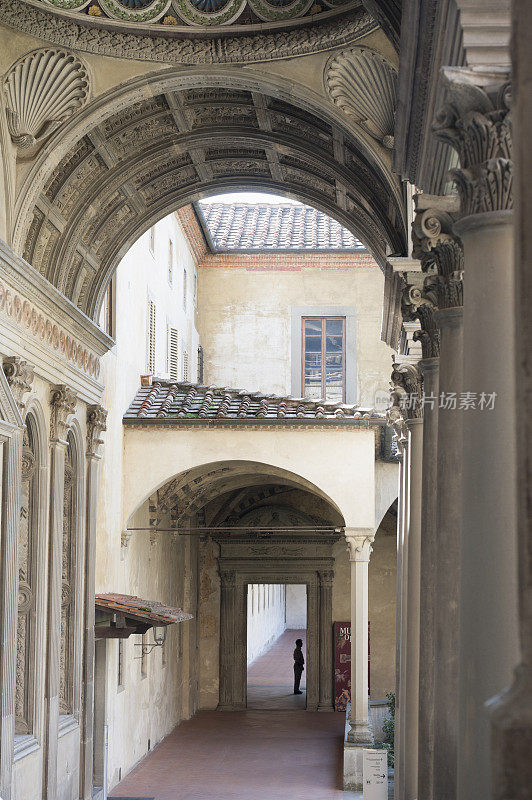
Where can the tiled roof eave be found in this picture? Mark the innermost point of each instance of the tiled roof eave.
(350, 422)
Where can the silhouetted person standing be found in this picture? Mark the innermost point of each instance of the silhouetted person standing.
(299, 660)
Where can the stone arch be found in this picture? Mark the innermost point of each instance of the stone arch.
(186, 493)
(142, 150)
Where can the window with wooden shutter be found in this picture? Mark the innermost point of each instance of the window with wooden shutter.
(150, 358)
(185, 365)
(172, 364)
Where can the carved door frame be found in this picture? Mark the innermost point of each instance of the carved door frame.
(233, 628)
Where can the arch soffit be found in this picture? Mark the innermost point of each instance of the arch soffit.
(195, 487)
(135, 181)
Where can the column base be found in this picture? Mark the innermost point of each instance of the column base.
(325, 707)
(356, 740)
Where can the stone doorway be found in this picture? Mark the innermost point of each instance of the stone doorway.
(276, 618)
(277, 558)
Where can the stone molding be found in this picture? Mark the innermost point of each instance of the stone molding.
(96, 425)
(359, 543)
(42, 90)
(63, 407)
(475, 120)
(20, 376)
(123, 40)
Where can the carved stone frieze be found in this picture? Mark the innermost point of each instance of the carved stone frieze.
(167, 43)
(63, 405)
(363, 83)
(96, 425)
(42, 90)
(476, 121)
(20, 376)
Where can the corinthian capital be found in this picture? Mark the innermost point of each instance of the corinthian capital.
(475, 120)
(417, 304)
(359, 543)
(96, 425)
(63, 402)
(439, 249)
(19, 376)
(406, 390)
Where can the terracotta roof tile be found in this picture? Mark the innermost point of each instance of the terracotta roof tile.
(145, 609)
(268, 226)
(166, 401)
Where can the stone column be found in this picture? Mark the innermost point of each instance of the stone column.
(227, 639)
(429, 368)
(360, 733)
(511, 766)
(326, 637)
(96, 418)
(476, 121)
(405, 416)
(441, 255)
(63, 403)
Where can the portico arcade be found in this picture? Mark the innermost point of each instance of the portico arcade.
(113, 117)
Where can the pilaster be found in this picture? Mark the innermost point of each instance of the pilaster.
(326, 578)
(96, 425)
(63, 407)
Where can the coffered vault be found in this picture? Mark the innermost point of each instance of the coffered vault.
(144, 149)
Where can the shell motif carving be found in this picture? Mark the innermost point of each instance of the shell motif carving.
(42, 90)
(364, 84)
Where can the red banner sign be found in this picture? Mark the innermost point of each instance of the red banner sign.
(342, 664)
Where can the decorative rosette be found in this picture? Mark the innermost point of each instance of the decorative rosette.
(273, 10)
(209, 12)
(135, 10)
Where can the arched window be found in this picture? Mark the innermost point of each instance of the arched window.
(27, 580)
(68, 579)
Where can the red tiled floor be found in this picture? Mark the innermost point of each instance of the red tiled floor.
(275, 755)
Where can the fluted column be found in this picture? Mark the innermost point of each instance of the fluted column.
(96, 419)
(326, 653)
(63, 403)
(511, 765)
(359, 542)
(476, 121)
(441, 254)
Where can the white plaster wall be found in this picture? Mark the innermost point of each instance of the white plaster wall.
(339, 462)
(266, 619)
(245, 323)
(296, 606)
(145, 708)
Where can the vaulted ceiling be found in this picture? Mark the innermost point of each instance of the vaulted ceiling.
(128, 160)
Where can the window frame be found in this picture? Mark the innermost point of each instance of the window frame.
(324, 319)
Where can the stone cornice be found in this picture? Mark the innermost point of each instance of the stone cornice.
(128, 40)
(40, 291)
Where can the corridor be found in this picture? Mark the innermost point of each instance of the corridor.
(271, 676)
(267, 755)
